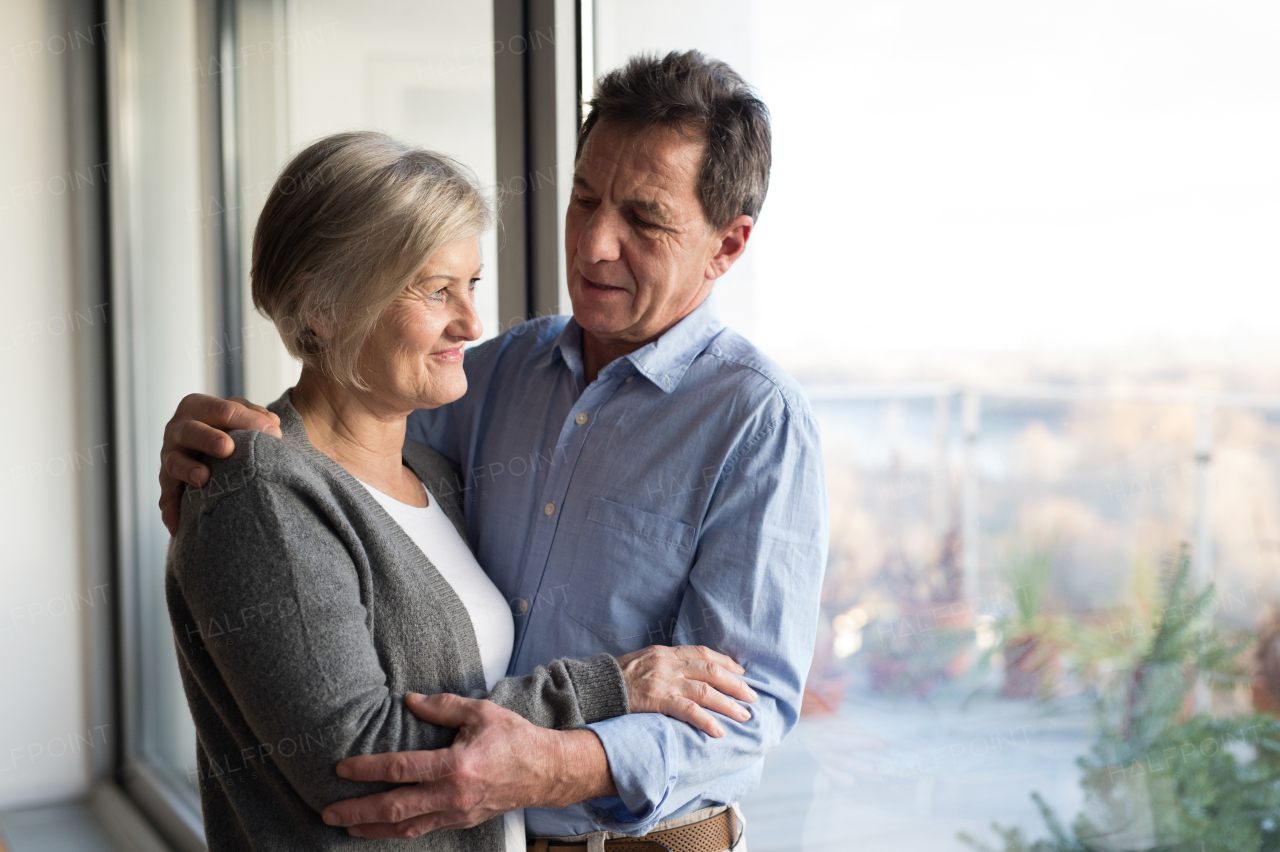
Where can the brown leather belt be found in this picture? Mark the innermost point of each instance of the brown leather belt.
(710, 835)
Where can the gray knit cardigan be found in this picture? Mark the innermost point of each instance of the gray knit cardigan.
(303, 614)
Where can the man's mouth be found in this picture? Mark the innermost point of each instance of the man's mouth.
(598, 286)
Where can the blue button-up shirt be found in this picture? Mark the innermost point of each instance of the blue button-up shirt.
(677, 499)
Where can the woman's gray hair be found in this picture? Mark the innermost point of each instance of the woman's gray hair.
(347, 224)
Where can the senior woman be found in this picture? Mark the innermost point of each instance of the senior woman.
(321, 579)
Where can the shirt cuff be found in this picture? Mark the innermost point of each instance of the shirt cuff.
(600, 686)
(639, 748)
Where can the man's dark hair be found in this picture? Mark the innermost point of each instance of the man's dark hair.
(698, 96)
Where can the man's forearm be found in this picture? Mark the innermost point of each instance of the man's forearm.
(499, 762)
(576, 769)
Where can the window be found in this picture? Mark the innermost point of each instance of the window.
(167, 318)
(209, 100)
(423, 73)
(1019, 255)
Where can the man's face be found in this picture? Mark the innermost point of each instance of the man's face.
(637, 242)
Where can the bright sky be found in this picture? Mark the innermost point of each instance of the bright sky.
(992, 175)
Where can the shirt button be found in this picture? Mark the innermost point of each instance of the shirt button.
(630, 379)
(581, 419)
(549, 509)
(523, 604)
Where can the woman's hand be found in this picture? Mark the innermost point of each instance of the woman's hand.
(680, 681)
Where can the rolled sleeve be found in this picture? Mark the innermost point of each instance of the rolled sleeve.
(637, 754)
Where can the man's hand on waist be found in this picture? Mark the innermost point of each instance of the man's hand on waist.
(498, 762)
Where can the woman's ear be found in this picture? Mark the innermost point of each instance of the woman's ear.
(321, 322)
(319, 327)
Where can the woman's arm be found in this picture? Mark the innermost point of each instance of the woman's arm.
(267, 612)
(565, 693)
(678, 682)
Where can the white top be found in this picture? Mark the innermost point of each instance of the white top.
(436, 536)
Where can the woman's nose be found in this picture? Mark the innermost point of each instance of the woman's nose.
(466, 325)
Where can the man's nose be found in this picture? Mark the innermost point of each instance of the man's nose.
(601, 238)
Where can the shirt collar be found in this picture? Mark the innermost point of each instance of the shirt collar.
(568, 347)
(665, 360)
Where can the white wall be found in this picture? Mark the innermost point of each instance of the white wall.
(53, 453)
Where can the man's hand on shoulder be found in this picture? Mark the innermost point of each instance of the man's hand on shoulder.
(498, 762)
(200, 425)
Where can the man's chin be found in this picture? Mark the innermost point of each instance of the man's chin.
(599, 320)
(601, 329)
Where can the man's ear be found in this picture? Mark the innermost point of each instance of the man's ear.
(733, 242)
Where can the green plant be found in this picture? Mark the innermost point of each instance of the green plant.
(1104, 647)
(1028, 571)
(1032, 634)
(1159, 777)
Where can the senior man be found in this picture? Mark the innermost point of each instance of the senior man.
(637, 474)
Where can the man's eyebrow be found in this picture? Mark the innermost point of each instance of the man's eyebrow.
(652, 209)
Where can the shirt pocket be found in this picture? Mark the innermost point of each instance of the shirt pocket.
(629, 569)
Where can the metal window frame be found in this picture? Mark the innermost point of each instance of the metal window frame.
(86, 83)
(223, 122)
(544, 48)
(148, 798)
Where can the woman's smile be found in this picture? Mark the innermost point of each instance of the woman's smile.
(453, 355)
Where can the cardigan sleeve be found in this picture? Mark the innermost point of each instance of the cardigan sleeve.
(567, 693)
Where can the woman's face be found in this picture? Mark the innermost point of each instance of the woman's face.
(413, 359)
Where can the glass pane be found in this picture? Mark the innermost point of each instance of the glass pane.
(419, 71)
(1017, 255)
(166, 336)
